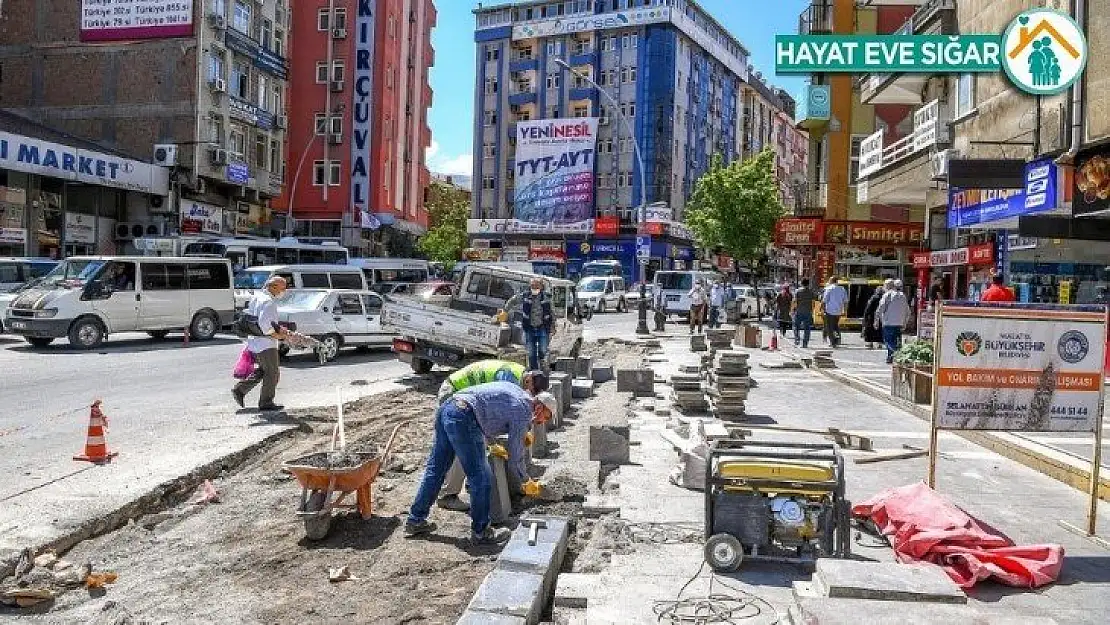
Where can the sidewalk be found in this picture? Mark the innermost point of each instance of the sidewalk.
(1020, 502)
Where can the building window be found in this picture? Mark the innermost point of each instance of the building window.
(240, 80)
(321, 72)
(275, 156)
(552, 111)
(323, 20)
(628, 109)
(628, 74)
(488, 183)
(489, 118)
(261, 150)
(554, 48)
(488, 150)
(219, 8)
(279, 42)
(325, 169)
(626, 146)
(340, 20)
(386, 177)
(633, 40)
(580, 110)
(391, 26)
(857, 140)
(267, 34)
(581, 47)
(337, 70)
(965, 95)
(215, 66)
(492, 53)
(491, 86)
(608, 43)
(216, 130)
(322, 123)
(237, 143)
(275, 101)
(605, 146)
(554, 80)
(262, 91)
(241, 18)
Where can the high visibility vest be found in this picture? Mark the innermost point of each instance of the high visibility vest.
(485, 371)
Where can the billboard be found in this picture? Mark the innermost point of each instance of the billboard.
(554, 172)
(116, 20)
(582, 23)
(362, 104)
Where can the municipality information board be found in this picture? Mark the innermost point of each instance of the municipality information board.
(554, 175)
(1019, 367)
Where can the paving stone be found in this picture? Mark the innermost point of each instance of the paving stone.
(600, 505)
(602, 374)
(508, 593)
(485, 618)
(583, 368)
(830, 611)
(582, 389)
(546, 555)
(573, 589)
(566, 365)
(556, 389)
(851, 579)
(609, 444)
(639, 382)
(564, 384)
(539, 442)
(500, 507)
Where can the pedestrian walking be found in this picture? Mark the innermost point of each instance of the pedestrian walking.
(835, 300)
(716, 303)
(784, 302)
(998, 292)
(803, 313)
(465, 424)
(892, 314)
(871, 333)
(659, 304)
(698, 300)
(263, 310)
(538, 322)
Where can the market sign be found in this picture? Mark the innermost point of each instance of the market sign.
(80, 228)
(260, 57)
(1039, 193)
(54, 160)
(117, 20)
(982, 254)
(247, 112)
(13, 235)
(201, 217)
(1020, 367)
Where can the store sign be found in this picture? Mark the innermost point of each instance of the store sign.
(1092, 185)
(607, 226)
(515, 253)
(656, 212)
(826, 264)
(247, 112)
(1028, 368)
(155, 245)
(476, 254)
(260, 57)
(363, 104)
(682, 253)
(922, 260)
(866, 233)
(1040, 186)
(797, 232)
(546, 250)
(516, 226)
(13, 235)
(117, 20)
(209, 218)
(948, 258)
(1015, 242)
(80, 228)
(982, 254)
(238, 173)
(54, 160)
(968, 207)
(604, 21)
(871, 154)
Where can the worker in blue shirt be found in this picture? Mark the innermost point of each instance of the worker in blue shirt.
(465, 424)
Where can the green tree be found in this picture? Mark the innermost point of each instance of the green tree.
(734, 209)
(448, 207)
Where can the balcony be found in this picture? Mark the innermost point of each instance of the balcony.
(934, 17)
(585, 92)
(523, 64)
(588, 57)
(811, 199)
(521, 94)
(816, 19)
(901, 173)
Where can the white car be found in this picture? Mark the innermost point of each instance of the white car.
(602, 294)
(336, 318)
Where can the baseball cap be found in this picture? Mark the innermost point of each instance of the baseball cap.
(540, 383)
(549, 401)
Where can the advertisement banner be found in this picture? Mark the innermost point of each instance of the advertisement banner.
(1026, 368)
(80, 228)
(607, 226)
(555, 175)
(797, 232)
(13, 235)
(546, 250)
(116, 20)
(1092, 185)
(968, 207)
(362, 103)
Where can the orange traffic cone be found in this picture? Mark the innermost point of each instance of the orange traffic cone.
(774, 341)
(96, 446)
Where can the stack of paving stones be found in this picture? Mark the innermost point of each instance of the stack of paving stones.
(823, 359)
(719, 339)
(697, 343)
(729, 382)
(688, 393)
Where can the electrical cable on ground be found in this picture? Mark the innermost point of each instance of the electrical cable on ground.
(662, 533)
(712, 608)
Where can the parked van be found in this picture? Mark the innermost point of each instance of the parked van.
(676, 286)
(15, 272)
(249, 280)
(603, 294)
(86, 298)
(384, 274)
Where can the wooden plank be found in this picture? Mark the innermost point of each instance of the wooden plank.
(893, 455)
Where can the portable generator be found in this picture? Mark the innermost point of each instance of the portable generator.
(775, 501)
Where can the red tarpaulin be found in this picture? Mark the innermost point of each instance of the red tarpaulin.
(923, 526)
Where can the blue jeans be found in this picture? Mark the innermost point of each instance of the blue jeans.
(892, 337)
(803, 322)
(457, 434)
(535, 341)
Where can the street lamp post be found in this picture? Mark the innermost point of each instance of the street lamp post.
(304, 154)
(642, 216)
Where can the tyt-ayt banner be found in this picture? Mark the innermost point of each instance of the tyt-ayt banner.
(555, 175)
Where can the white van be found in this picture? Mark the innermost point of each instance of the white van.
(249, 280)
(86, 298)
(15, 272)
(676, 286)
(383, 275)
(603, 294)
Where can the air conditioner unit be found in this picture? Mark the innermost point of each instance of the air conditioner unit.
(219, 156)
(336, 86)
(137, 231)
(154, 230)
(335, 139)
(282, 121)
(339, 33)
(218, 85)
(243, 207)
(218, 21)
(165, 154)
(123, 231)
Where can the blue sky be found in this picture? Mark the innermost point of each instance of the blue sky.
(452, 114)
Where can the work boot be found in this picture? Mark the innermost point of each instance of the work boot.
(491, 536)
(270, 407)
(453, 503)
(238, 398)
(418, 529)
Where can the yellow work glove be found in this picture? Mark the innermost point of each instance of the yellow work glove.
(532, 488)
(498, 451)
(529, 438)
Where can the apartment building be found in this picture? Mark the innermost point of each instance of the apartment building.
(661, 75)
(359, 124)
(201, 90)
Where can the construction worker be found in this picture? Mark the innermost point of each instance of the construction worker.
(482, 372)
(465, 424)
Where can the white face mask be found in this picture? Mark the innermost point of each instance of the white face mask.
(535, 291)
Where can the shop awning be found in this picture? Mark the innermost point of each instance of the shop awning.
(1056, 227)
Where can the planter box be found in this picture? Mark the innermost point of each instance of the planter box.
(912, 383)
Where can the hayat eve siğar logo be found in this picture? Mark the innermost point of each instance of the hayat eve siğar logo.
(969, 343)
(1044, 51)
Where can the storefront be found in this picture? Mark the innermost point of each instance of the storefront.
(857, 251)
(964, 272)
(59, 200)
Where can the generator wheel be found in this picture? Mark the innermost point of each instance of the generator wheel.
(724, 553)
(843, 528)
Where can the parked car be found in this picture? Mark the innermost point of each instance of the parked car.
(297, 277)
(602, 294)
(336, 318)
(435, 292)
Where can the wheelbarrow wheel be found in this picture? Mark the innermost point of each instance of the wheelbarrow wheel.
(724, 553)
(316, 527)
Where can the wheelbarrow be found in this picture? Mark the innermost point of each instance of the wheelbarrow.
(324, 489)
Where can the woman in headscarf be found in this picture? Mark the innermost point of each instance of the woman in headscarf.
(871, 334)
(783, 303)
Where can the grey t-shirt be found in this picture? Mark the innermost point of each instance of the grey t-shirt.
(803, 299)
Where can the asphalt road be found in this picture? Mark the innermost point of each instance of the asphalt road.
(169, 408)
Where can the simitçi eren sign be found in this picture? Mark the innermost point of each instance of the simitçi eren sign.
(802, 232)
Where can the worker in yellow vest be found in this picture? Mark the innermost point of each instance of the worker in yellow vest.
(483, 372)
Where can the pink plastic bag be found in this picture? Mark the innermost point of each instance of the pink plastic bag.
(244, 367)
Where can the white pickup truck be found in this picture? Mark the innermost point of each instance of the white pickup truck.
(465, 331)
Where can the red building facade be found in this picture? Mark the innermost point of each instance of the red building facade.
(357, 176)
